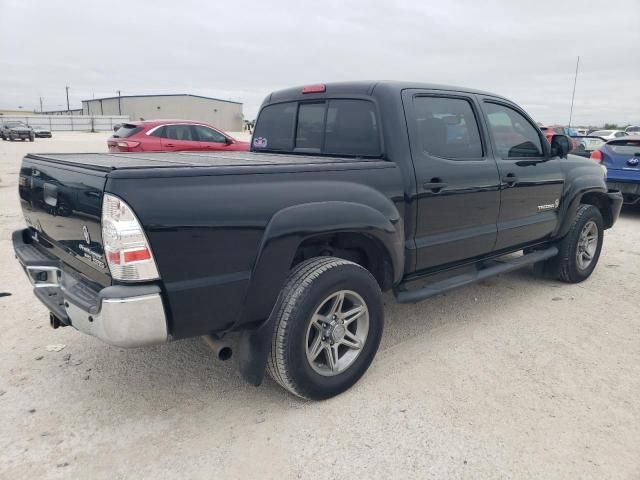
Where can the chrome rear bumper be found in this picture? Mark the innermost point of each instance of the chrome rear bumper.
(125, 316)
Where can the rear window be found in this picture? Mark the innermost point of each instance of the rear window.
(625, 147)
(332, 127)
(126, 130)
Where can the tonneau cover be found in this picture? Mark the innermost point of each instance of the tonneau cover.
(117, 161)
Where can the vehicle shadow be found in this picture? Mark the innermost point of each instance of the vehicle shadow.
(184, 375)
(630, 211)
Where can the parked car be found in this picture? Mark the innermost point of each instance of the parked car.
(608, 134)
(16, 131)
(171, 136)
(621, 157)
(587, 144)
(551, 130)
(632, 130)
(350, 189)
(41, 132)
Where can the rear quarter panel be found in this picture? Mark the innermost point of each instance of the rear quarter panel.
(206, 228)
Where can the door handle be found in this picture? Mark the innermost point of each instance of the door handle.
(169, 145)
(435, 185)
(510, 179)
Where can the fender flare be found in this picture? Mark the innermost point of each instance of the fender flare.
(287, 229)
(576, 196)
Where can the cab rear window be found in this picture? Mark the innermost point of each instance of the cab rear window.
(341, 127)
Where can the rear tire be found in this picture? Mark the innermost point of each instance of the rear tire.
(328, 324)
(579, 250)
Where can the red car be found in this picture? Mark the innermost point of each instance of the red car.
(171, 136)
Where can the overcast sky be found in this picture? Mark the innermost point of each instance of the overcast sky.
(243, 49)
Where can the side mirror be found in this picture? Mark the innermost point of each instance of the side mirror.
(229, 140)
(561, 145)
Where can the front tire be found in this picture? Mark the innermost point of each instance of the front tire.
(579, 250)
(328, 321)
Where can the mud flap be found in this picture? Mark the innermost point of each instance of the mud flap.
(253, 350)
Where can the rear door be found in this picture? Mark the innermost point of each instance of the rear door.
(180, 138)
(531, 182)
(457, 180)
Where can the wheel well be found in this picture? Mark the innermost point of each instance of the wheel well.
(359, 248)
(601, 202)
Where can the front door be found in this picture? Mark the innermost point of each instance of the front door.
(531, 180)
(457, 181)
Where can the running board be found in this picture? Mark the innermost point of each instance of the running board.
(489, 268)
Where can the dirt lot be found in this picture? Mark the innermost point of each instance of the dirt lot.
(510, 378)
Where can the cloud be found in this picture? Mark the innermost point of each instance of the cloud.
(243, 50)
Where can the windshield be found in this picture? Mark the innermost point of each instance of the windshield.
(602, 133)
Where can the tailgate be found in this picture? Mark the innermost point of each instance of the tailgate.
(62, 206)
(622, 154)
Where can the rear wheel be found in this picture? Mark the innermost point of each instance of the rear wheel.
(579, 250)
(328, 325)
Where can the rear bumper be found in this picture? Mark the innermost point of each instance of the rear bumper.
(125, 316)
(630, 190)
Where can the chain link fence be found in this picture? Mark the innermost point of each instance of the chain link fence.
(80, 123)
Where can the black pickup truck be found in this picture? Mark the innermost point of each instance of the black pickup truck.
(350, 189)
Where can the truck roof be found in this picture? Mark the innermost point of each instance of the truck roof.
(370, 87)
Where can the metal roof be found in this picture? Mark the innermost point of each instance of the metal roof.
(162, 95)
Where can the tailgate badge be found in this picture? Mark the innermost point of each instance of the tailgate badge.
(85, 232)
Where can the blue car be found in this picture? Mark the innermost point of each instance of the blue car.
(622, 159)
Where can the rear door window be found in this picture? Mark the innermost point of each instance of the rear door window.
(448, 128)
(179, 132)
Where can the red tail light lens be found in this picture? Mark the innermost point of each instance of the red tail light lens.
(125, 244)
(127, 144)
(596, 155)
(314, 89)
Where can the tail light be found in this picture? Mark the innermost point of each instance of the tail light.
(127, 144)
(596, 155)
(125, 245)
(320, 88)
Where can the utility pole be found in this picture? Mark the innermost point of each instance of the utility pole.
(575, 80)
(68, 109)
(41, 105)
(119, 104)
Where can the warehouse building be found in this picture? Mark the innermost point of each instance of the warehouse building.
(224, 114)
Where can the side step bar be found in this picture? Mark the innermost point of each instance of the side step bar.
(489, 268)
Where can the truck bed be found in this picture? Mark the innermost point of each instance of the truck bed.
(107, 162)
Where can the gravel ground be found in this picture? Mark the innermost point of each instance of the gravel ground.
(510, 378)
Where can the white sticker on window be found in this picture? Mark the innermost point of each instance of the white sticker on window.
(260, 142)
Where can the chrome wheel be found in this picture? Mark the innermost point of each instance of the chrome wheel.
(337, 332)
(587, 245)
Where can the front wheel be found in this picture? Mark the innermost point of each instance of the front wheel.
(327, 328)
(579, 250)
